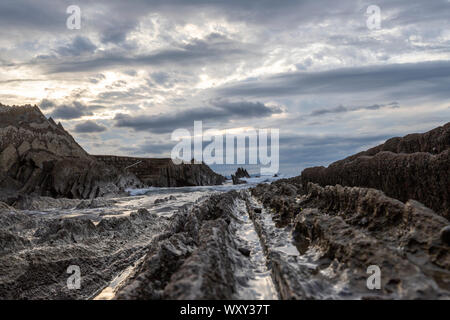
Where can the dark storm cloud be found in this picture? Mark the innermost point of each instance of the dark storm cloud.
(342, 109)
(212, 48)
(89, 127)
(219, 111)
(161, 79)
(409, 79)
(46, 104)
(34, 15)
(79, 45)
(69, 111)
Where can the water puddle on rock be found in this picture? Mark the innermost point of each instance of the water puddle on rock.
(109, 292)
(254, 277)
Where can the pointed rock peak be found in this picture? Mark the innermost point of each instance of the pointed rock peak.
(50, 119)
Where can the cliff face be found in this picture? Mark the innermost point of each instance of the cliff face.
(164, 173)
(37, 156)
(416, 166)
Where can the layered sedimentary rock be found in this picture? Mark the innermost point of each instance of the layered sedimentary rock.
(416, 166)
(318, 243)
(37, 156)
(194, 259)
(340, 232)
(164, 173)
(37, 250)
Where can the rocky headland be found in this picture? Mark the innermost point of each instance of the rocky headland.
(39, 157)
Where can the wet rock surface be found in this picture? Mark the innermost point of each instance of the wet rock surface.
(282, 240)
(36, 251)
(240, 173)
(340, 231)
(194, 261)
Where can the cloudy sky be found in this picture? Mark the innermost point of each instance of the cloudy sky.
(137, 70)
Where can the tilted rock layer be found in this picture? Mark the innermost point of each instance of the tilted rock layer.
(341, 231)
(416, 166)
(37, 156)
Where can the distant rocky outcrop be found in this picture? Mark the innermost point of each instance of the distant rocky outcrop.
(416, 166)
(236, 180)
(163, 172)
(240, 173)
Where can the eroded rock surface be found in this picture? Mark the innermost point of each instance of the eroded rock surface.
(195, 260)
(416, 166)
(340, 231)
(36, 251)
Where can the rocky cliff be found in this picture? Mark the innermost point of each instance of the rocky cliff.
(416, 166)
(164, 173)
(39, 157)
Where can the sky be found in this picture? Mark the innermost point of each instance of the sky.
(321, 72)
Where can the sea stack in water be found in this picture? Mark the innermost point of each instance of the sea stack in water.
(240, 173)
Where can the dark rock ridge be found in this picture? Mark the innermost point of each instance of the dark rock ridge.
(416, 166)
(340, 231)
(164, 173)
(39, 157)
(195, 258)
